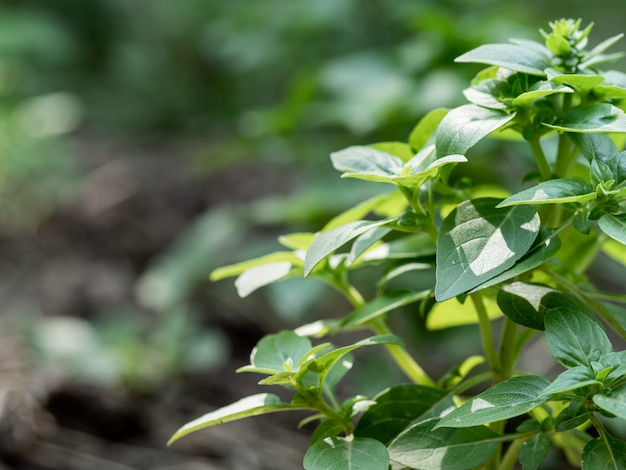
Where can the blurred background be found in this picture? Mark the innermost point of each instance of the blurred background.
(145, 143)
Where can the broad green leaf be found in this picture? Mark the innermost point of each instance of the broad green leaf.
(423, 447)
(516, 57)
(571, 379)
(425, 128)
(539, 90)
(523, 303)
(253, 405)
(613, 401)
(513, 397)
(553, 191)
(600, 117)
(614, 226)
(238, 268)
(358, 212)
(594, 146)
(260, 276)
(381, 305)
(279, 352)
(545, 247)
(327, 242)
(574, 339)
(367, 162)
(451, 312)
(397, 407)
(365, 241)
(488, 94)
(583, 83)
(534, 451)
(477, 242)
(599, 454)
(465, 126)
(402, 150)
(347, 454)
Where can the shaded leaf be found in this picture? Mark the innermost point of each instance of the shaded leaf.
(522, 303)
(613, 401)
(343, 454)
(604, 455)
(534, 451)
(553, 191)
(279, 352)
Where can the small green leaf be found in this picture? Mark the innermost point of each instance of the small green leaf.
(347, 454)
(617, 361)
(614, 226)
(600, 117)
(539, 90)
(421, 446)
(477, 242)
(360, 211)
(534, 451)
(238, 268)
(381, 305)
(613, 401)
(571, 379)
(253, 405)
(260, 276)
(465, 126)
(583, 83)
(298, 241)
(364, 161)
(516, 57)
(365, 241)
(513, 397)
(523, 303)
(425, 128)
(402, 150)
(574, 339)
(553, 191)
(599, 454)
(279, 352)
(327, 242)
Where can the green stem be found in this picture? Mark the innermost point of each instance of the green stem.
(486, 333)
(540, 158)
(564, 153)
(508, 351)
(510, 457)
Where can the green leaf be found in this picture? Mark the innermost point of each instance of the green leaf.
(593, 146)
(583, 83)
(545, 247)
(381, 305)
(513, 397)
(574, 339)
(279, 352)
(253, 405)
(425, 128)
(571, 379)
(327, 242)
(539, 90)
(616, 360)
(347, 454)
(477, 242)
(358, 212)
(299, 240)
(423, 447)
(238, 268)
(600, 117)
(397, 407)
(260, 276)
(465, 126)
(524, 303)
(613, 401)
(516, 57)
(614, 226)
(534, 451)
(402, 150)
(367, 163)
(553, 191)
(365, 241)
(451, 312)
(599, 454)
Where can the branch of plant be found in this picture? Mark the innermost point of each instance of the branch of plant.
(486, 334)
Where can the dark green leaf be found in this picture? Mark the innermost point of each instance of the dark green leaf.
(423, 447)
(515, 57)
(477, 242)
(326, 429)
(522, 303)
(513, 397)
(599, 454)
(534, 451)
(397, 407)
(381, 305)
(344, 454)
(571, 379)
(553, 191)
(617, 361)
(601, 117)
(465, 126)
(594, 145)
(614, 226)
(250, 406)
(279, 352)
(574, 339)
(613, 401)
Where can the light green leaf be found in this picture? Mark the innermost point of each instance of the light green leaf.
(253, 405)
(574, 339)
(425, 128)
(583, 83)
(338, 453)
(534, 451)
(298, 241)
(451, 312)
(600, 117)
(613, 401)
(539, 90)
(238, 268)
(402, 150)
(365, 162)
(421, 446)
(327, 242)
(477, 242)
(397, 407)
(358, 212)
(365, 241)
(260, 276)
(279, 352)
(598, 455)
(571, 379)
(553, 191)
(516, 57)
(381, 305)
(513, 397)
(614, 226)
(465, 126)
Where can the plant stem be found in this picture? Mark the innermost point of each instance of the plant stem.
(510, 456)
(564, 154)
(486, 333)
(540, 158)
(508, 351)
